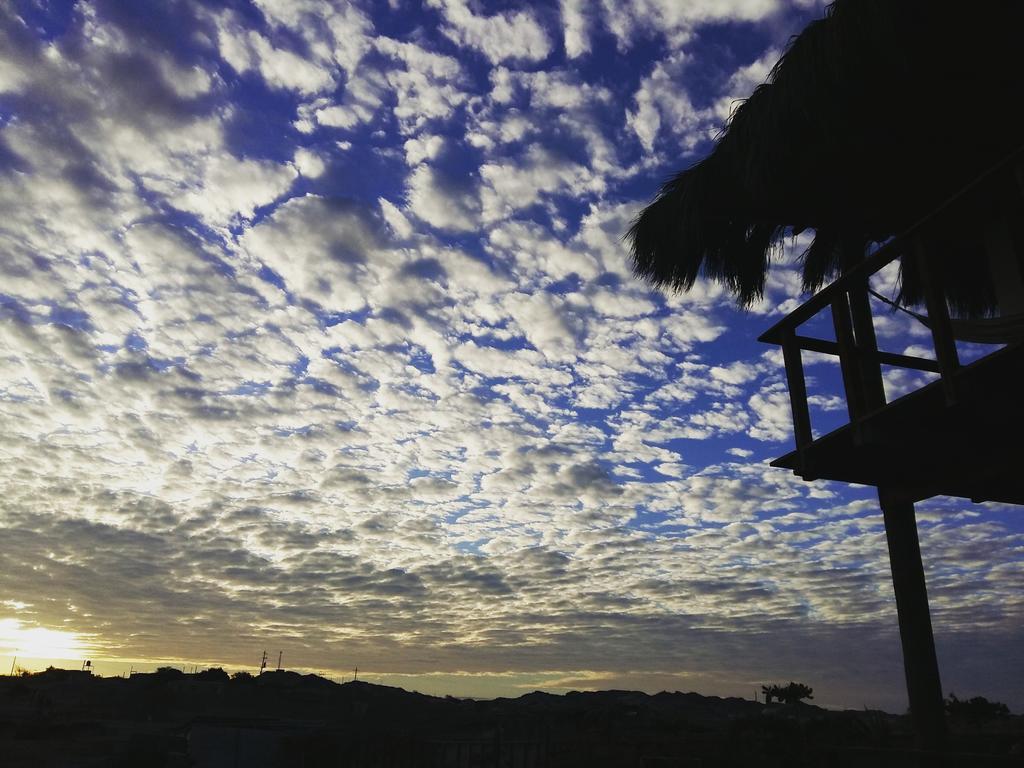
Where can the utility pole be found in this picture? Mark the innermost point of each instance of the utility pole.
(279, 660)
(355, 675)
(12, 665)
(263, 662)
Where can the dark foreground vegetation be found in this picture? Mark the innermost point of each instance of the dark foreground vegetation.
(170, 720)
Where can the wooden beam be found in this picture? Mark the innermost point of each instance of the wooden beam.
(823, 298)
(826, 347)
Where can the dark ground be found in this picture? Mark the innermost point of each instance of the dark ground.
(61, 719)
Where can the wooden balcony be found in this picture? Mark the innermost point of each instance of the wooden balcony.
(961, 435)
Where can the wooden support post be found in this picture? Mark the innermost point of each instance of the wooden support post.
(920, 665)
(938, 320)
(848, 358)
(867, 347)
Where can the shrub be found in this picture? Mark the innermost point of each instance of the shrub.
(976, 710)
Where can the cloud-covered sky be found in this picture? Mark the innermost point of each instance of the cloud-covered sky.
(318, 334)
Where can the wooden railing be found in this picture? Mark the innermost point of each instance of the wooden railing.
(856, 345)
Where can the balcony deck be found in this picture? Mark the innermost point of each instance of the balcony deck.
(973, 448)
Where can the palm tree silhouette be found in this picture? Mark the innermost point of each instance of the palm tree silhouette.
(874, 115)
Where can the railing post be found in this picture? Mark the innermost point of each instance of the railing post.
(797, 395)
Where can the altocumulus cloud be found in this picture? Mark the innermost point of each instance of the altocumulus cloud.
(318, 332)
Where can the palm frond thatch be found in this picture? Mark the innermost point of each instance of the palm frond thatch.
(874, 115)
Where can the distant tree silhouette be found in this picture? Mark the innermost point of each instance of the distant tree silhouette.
(212, 675)
(788, 694)
(975, 710)
(242, 677)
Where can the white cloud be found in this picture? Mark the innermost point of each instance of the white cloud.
(364, 94)
(399, 224)
(501, 82)
(500, 37)
(426, 147)
(231, 188)
(575, 23)
(15, 72)
(543, 320)
(323, 391)
(743, 81)
(325, 252)
(310, 164)
(187, 82)
(284, 69)
(511, 185)
(773, 418)
(627, 19)
(281, 68)
(561, 90)
(662, 100)
(442, 202)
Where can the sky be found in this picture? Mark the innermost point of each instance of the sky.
(318, 335)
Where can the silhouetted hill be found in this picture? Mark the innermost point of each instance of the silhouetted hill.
(61, 718)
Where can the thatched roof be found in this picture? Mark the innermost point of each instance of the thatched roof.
(874, 115)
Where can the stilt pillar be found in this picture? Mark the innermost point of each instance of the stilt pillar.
(920, 665)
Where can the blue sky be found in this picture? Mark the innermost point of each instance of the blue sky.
(319, 335)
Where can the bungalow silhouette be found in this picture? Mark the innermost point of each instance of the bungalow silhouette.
(892, 131)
